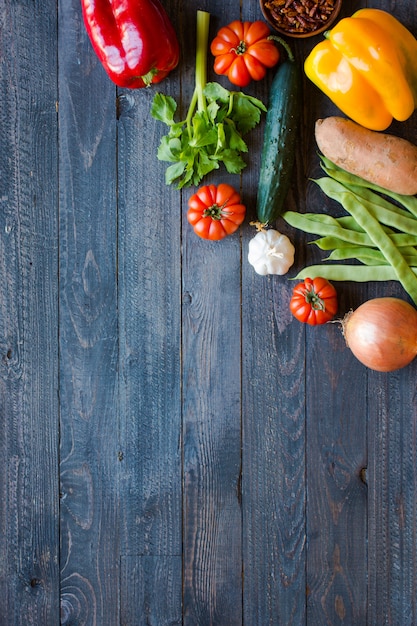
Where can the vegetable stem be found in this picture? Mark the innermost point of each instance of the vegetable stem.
(203, 22)
(212, 131)
(198, 99)
(284, 44)
(190, 113)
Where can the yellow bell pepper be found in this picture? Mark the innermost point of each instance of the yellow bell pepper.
(367, 66)
(404, 41)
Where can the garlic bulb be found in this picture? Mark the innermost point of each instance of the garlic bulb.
(271, 252)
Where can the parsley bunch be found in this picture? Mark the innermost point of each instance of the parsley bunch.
(212, 133)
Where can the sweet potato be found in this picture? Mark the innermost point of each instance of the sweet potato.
(379, 158)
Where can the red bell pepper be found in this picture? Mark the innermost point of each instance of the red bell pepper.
(134, 40)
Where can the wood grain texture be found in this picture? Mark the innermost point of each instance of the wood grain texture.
(149, 261)
(392, 468)
(336, 396)
(211, 365)
(392, 501)
(150, 331)
(151, 590)
(29, 538)
(274, 437)
(336, 508)
(175, 448)
(88, 331)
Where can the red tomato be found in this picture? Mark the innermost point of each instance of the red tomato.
(243, 51)
(215, 212)
(314, 301)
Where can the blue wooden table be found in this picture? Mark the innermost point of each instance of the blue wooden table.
(175, 448)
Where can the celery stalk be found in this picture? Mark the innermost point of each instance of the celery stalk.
(212, 132)
(198, 99)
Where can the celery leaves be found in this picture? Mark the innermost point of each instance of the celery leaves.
(212, 136)
(212, 133)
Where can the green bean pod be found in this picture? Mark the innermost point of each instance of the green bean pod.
(344, 177)
(381, 239)
(319, 224)
(381, 210)
(354, 273)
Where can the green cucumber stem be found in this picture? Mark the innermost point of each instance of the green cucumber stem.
(284, 45)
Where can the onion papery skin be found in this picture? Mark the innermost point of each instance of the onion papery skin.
(382, 333)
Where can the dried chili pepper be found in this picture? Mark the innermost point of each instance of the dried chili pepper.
(134, 40)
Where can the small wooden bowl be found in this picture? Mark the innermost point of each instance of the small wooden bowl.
(303, 33)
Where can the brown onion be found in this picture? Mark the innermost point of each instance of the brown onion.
(382, 333)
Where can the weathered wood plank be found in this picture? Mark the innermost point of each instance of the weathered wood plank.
(273, 457)
(336, 431)
(29, 539)
(149, 281)
(336, 510)
(274, 439)
(392, 498)
(220, 463)
(88, 331)
(211, 367)
(392, 468)
(151, 590)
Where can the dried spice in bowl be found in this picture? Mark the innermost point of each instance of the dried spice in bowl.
(300, 18)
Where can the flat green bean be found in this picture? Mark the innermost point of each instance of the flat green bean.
(354, 273)
(369, 256)
(313, 224)
(409, 202)
(403, 239)
(356, 252)
(411, 259)
(347, 221)
(372, 262)
(371, 196)
(360, 211)
(320, 218)
(333, 170)
(329, 242)
(365, 259)
(363, 190)
(332, 188)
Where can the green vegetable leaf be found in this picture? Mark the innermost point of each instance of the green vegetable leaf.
(246, 112)
(213, 110)
(233, 162)
(221, 137)
(206, 164)
(215, 91)
(173, 172)
(163, 108)
(169, 149)
(234, 138)
(203, 133)
(175, 130)
(212, 132)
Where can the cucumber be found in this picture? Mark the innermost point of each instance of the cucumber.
(280, 136)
